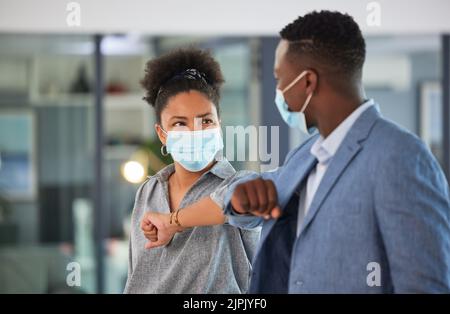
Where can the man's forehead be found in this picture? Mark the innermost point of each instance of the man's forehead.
(280, 51)
(282, 48)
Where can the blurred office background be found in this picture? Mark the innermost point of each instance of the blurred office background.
(76, 138)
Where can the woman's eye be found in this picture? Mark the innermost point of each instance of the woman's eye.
(207, 121)
(178, 123)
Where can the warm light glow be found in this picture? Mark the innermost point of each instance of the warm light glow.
(133, 172)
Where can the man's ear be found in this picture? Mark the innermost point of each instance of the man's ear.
(311, 80)
(161, 135)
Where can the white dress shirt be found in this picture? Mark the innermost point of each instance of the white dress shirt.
(324, 150)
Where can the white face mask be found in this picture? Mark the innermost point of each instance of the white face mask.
(194, 150)
(292, 118)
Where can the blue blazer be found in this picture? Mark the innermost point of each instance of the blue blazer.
(379, 221)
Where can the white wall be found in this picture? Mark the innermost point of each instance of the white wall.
(215, 17)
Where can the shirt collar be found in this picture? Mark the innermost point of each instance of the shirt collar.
(222, 169)
(325, 148)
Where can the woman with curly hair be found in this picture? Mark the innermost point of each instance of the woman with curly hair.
(184, 86)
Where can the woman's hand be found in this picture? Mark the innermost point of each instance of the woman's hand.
(149, 229)
(157, 228)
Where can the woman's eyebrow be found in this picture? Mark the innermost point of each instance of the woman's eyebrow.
(203, 115)
(178, 117)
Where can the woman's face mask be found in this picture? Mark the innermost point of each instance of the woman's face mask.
(292, 118)
(194, 150)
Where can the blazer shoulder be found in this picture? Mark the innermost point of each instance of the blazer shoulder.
(401, 152)
(395, 139)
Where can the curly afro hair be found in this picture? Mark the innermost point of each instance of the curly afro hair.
(179, 71)
(332, 38)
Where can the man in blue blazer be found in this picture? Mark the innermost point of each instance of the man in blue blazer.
(362, 206)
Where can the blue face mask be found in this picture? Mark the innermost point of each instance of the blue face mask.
(194, 150)
(293, 119)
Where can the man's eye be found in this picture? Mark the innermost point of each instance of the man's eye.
(207, 121)
(179, 123)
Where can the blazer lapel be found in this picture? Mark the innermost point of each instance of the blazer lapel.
(347, 151)
(294, 176)
(336, 167)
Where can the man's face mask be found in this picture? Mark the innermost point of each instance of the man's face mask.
(194, 150)
(292, 118)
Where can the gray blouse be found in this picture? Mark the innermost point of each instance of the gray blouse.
(211, 259)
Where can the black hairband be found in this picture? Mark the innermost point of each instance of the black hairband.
(190, 74)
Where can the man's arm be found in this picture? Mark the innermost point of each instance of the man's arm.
(412, 208)
(253, 196)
